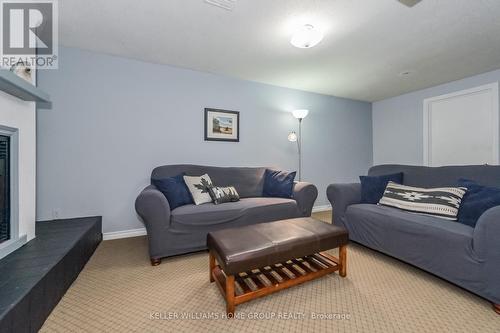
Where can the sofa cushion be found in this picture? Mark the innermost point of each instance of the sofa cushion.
(199, 188)
(249, 182)
(261, 209)
(174, 189)
(476, 201)
(278, 183)
(414, 175)
(403, 220)
(373, 187)
(414, 238)
(223, 194)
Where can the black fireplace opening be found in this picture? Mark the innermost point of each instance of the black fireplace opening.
(4, 188)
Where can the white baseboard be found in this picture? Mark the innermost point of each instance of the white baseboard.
(323, 208)
(124, 234)
(142, 231)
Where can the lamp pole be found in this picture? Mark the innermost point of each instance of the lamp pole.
(299, 144)
(298, 114)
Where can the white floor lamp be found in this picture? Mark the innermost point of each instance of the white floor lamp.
(292, 137)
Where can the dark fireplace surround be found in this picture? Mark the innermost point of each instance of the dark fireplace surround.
(4, 188)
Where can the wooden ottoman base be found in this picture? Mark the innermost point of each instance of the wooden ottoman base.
(256, 283)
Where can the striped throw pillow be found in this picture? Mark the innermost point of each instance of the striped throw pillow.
(223, 194)
(441, 202)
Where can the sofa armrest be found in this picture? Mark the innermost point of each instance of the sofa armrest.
(486, 249)
(305, 194)
(341, 196)
(154, 210)
(486, 235)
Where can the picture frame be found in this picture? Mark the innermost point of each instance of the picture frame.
(222, 125)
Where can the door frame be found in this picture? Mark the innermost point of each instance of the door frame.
(493, 88)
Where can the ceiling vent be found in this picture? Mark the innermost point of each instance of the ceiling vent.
(409, 3)
(224, 4)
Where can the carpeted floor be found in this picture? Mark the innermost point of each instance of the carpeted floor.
(118, 291)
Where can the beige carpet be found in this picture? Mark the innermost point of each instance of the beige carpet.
(118, 291)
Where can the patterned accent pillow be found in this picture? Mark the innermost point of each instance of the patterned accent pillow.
(441, 202)
(223, 194)
(198, 187)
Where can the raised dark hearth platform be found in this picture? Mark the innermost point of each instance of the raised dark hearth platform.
(35, 277)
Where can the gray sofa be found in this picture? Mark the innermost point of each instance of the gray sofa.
(466, 256)
(185, 229)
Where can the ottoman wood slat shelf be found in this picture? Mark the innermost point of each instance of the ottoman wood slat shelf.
(257, 260)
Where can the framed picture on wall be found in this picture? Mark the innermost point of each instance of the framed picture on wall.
(222, 125)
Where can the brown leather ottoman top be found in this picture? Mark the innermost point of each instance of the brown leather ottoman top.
(254, 246)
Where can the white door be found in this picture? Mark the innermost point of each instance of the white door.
(462, 128)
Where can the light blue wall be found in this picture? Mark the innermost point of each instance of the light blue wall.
(398, 121)
(114, 119)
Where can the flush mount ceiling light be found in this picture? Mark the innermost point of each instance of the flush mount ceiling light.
(409, 3)
(306, 37)
(224, 4)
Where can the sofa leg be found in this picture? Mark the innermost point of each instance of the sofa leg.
(496, 307)
(155, 261)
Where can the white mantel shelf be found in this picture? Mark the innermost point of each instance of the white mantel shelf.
(18, 87)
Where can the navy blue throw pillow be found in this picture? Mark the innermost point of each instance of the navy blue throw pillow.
(476, 201)
(175, 190)
(373, 187)
(278, 183)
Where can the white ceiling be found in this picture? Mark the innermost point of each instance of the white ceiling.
(367, 43)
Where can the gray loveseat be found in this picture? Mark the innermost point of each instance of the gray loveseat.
(185, 229)
(466, 256)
